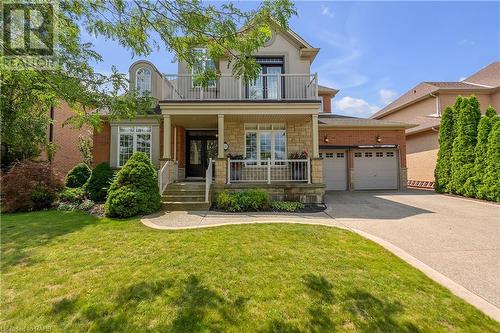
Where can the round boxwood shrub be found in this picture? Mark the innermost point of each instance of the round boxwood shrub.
(135, 189)
(78, 176)
(99, 182)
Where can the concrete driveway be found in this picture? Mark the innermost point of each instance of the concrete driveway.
(457, 237)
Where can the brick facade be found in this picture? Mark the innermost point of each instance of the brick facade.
(102, 144)
(327, 102)
(66, 140)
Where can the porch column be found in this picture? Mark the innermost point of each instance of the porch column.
(220, 136)
(167, 137)
(315, 139)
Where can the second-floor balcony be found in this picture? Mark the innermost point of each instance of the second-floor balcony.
(272, 87)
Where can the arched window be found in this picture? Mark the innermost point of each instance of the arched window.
(143, 81)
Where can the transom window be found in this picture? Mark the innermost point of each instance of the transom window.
(265, 141)
(204, 63)
(143, 81)
(132, 139)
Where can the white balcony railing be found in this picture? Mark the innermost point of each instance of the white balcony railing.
(228, 87)
(268, 171)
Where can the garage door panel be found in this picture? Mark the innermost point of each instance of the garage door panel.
(375, 169)
(335, 169)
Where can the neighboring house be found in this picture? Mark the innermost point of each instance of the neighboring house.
(250, 130)
(423, 105)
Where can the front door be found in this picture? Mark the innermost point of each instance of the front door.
(201, 146)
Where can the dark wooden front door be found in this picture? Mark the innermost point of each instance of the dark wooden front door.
(200, 148)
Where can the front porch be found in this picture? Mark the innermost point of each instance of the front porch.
(247, 148)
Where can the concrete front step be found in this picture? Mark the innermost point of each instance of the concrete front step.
(187, 206)
(183, 197)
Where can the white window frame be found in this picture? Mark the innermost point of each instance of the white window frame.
(134, 140)
(205, 60)
(280, 128)
(147, 83)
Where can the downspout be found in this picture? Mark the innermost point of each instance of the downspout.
(437, 103)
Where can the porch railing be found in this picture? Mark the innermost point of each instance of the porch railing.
(268, 171)
(168, 174)
(229, 87)
(208, 180)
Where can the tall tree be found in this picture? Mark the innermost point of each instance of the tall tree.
(483, 130)
(442, 172)
(490, 187)
(462, 164)
(140, 26)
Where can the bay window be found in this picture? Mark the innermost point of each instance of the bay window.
(265, 141)
(132, 139)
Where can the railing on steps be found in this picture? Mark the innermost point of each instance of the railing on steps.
(168, 174)
(268, 171)
(208, 180)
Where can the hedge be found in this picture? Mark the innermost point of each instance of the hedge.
(78, 176)
(443, 164)
(99, 182)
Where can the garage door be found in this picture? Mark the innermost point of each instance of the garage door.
(375, 169)
(335, 169)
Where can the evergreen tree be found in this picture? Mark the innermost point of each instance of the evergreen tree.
(490, 187)
(483, 130)
(442, 172)
(462, 163)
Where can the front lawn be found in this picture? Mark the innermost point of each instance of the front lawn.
(72, 272)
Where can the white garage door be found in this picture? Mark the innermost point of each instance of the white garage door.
(375, 169)
(335, 169)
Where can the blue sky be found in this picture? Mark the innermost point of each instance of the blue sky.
(375, 51)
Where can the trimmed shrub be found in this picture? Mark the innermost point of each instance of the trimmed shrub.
(245, 201)
(462, 162)
(490, 188)
(99, 182)
(483, 130)
(442, 172)
(287, 206)
(73, 195)
(78, 176)
(228, 202)
(134, 190)
(29, 185)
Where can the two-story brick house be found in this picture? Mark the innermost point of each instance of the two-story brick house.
(254, 134)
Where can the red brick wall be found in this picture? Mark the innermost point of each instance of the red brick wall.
(66, 139)
(327, 103)
(357, 137)
(101, 144)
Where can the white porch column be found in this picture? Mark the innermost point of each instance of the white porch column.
(315, 138)
(167, 137)
(220, 136)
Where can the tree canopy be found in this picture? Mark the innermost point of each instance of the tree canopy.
(140, 26)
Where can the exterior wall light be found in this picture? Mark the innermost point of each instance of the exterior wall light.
(379, 139)
(326, 138)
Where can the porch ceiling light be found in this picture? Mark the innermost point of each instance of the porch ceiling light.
(379, 139)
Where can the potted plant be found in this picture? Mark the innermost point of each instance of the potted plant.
(298, 170)
(236, 168)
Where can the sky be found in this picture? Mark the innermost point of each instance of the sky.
(375, 51)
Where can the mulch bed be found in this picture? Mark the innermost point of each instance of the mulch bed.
(308, 208)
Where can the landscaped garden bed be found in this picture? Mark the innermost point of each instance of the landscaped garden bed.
(72, 272)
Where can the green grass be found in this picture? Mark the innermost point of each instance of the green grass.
(70, 272)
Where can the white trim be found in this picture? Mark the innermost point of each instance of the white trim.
(477, 84)
(134, 141)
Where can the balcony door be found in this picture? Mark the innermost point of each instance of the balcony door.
(268, 85)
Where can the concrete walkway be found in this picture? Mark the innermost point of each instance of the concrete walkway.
(454, 241)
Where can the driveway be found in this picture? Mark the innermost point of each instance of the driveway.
(457, 237)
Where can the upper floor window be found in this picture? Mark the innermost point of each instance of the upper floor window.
(143, 81)
(204, 63)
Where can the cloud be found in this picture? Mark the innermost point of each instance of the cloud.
(341, 71)
(466, 42)
(326, 11)
(387, 96)
(354, 107)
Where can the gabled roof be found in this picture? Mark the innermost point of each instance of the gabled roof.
(327, 90)
(474, 83)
